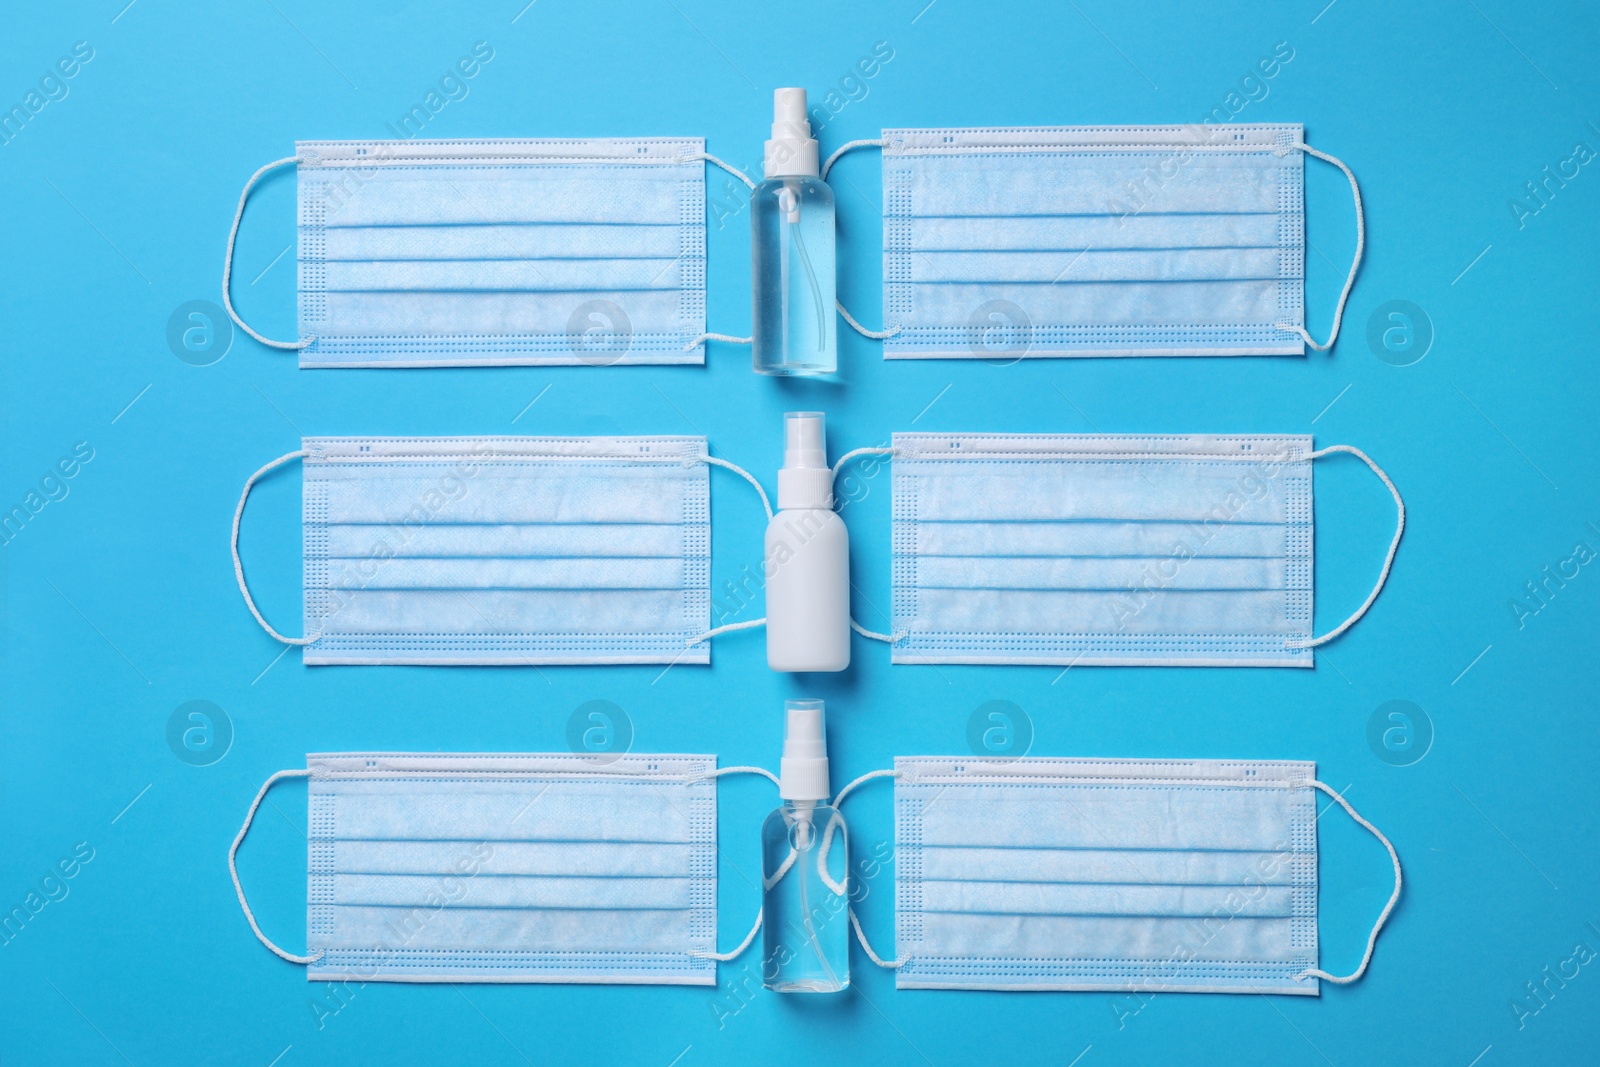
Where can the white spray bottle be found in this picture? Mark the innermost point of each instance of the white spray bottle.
(807, 558)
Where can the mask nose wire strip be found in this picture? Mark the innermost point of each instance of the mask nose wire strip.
(742, 176)
(846, 458)
(766, 506)
(855, 923)
(1355, 264)
(871, 142)
(1388, 560)
(238, 564)
(227, 260)
(723, 957)
(233, 868)
(1394, 898)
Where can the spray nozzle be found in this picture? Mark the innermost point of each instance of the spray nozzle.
(803, 771)
(804, 434)
(805, 480)
(792, 151)
(789, 114)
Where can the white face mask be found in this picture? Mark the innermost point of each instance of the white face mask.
(1142, 875)
(497, 252)
(508, 868)
(1108, 549)
(1000, 243)
(502, 550)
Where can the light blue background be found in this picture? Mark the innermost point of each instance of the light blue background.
(120, 603)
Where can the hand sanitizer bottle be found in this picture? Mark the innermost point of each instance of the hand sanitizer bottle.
(807, 558)
(804, 863)
(791, 251)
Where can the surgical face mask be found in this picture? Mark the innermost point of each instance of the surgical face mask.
(507, 868)
(478, 253)
(502, 550)
(1108, 549)
(1141, 875)
(1098, 241)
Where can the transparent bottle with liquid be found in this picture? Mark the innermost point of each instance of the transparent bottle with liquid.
(795, 331)
(804, 863)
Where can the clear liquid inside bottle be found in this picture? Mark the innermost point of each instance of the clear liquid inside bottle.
(792, 259)
(806, 921)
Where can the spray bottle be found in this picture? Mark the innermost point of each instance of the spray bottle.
(792, 251)
(807, 557)
(804, 863)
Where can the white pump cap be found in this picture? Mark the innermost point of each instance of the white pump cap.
(806, 480)
(803, 772)
(792, 152)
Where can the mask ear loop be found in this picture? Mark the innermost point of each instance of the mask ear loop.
(1394, 898)
(766, 505)
(1388, 560)
(233, 869)
(855, 923)
(846, 458)
(227, 261)
(1355, 264)
(870, 142)
(724, 957)
(742, 176)
(238, 564)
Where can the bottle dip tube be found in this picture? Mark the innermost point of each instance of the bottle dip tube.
(807, 557)
(792, 251)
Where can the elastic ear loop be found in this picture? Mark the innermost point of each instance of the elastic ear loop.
(822, 855)
(1388, 560)
(766, 506)
(889, 331)
(846, 458)
(227, 261)
(238, 564)
(1355, 264)
(841, 889)
(724, 957)
(742, 176)
(233, 868)
(876, 335)
(1394, 898)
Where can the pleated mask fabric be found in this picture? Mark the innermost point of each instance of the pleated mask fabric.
(501, 550)
(501, 252)
(1005, 243)
(512, 868)
(1100, 874)
(1102, 549)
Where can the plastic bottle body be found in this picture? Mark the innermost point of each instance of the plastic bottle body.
(805, 908)
(792, 260)
(808, 591)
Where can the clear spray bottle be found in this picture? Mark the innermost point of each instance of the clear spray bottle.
(805, 905)
(792, 251)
